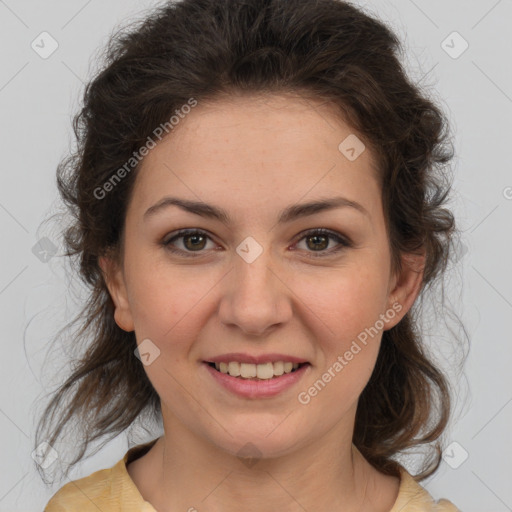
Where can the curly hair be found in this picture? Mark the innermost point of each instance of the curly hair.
(205, 49)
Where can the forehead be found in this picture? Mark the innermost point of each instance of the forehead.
(258, 151)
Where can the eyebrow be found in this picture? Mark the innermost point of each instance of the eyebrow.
(289, 214)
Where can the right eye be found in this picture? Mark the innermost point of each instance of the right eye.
(193, 241)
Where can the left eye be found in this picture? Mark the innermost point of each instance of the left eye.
(194, 241)
(320, 238)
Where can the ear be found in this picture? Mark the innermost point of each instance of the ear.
(405, 286)
(114, 279)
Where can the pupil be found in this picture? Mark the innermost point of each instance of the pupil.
(317, 237)
(195, 237)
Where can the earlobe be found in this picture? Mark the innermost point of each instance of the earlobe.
(114, 280)
(407, 286)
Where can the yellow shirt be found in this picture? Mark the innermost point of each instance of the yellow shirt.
(113, 490)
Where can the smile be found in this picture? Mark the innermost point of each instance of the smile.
(263, 371)
(252, 386)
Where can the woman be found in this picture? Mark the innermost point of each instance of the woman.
(258, 205)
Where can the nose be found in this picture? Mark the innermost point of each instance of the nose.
(256, 298)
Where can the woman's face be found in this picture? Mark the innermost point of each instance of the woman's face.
(260, 283)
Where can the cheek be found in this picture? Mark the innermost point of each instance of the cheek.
(347, 300)
(350, 307)
(168, 308)
(167, 303)
(347, 304)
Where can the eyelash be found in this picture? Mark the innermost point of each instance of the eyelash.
(343, 242)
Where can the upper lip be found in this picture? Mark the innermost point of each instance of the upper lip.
(247, 358)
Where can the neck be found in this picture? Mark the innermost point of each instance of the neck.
(191, 473)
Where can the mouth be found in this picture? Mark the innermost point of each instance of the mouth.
(256, 372)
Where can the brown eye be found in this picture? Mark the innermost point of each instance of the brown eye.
(318, 240)
(192, 241)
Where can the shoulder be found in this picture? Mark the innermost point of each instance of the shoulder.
(107, 490)
(412, 497)
(85, 494)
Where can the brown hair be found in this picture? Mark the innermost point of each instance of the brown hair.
(203, 49)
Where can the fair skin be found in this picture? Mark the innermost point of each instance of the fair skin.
(253, 157)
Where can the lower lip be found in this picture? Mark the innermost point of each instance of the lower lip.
(257, 388)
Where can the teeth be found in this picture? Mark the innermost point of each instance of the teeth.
(264, 371)
(247, 370)
(233, 369)
(261, 371)
(278, 368)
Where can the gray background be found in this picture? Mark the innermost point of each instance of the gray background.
(37, 99)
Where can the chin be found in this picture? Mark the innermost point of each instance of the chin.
(257, 443)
